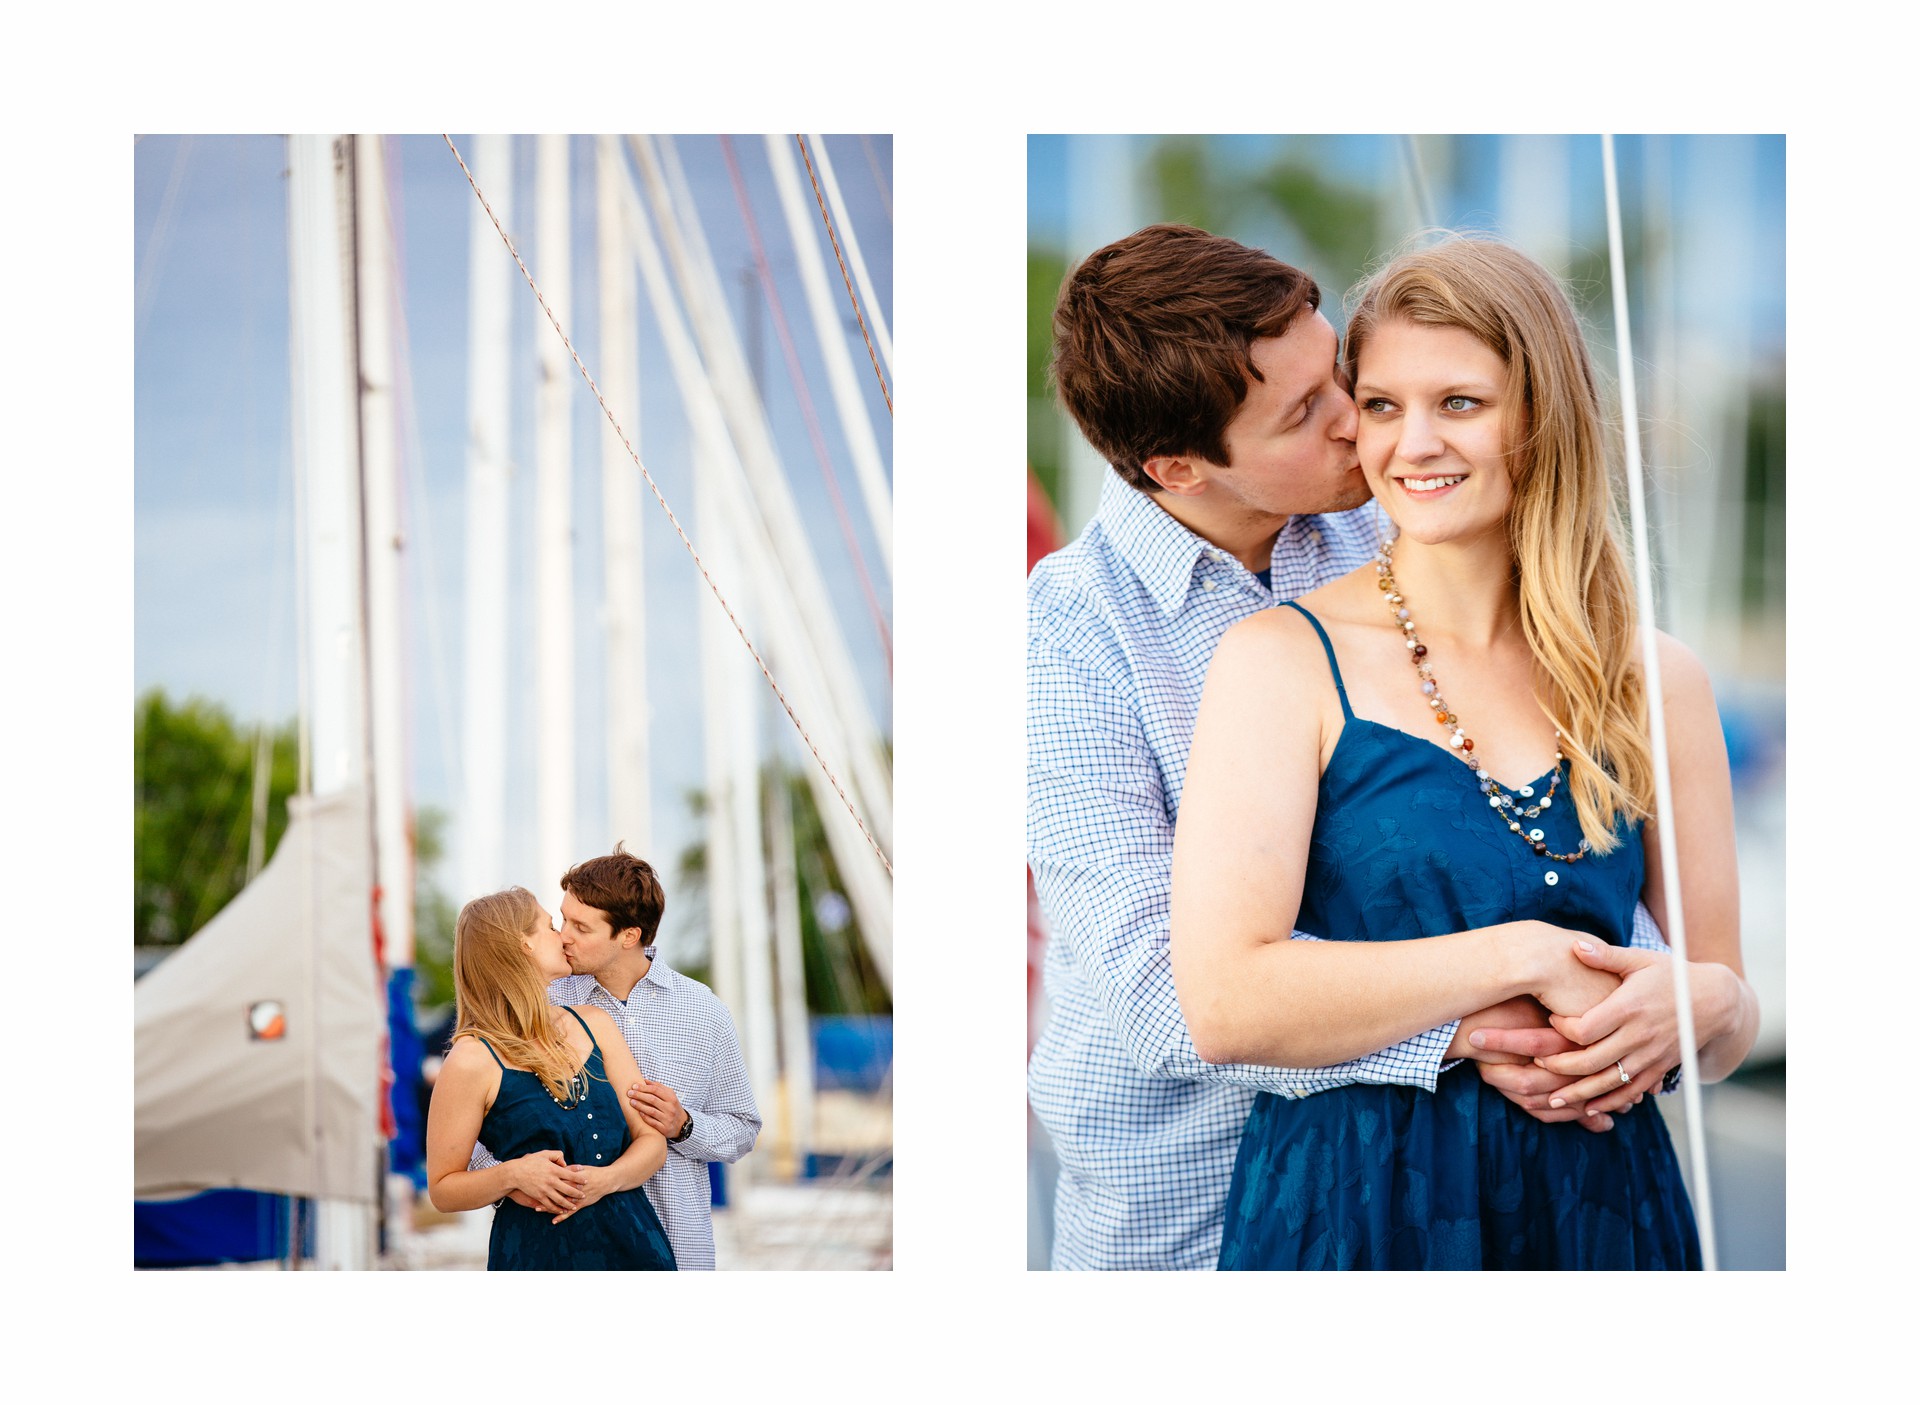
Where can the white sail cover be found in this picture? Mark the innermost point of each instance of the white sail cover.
(216, 1107)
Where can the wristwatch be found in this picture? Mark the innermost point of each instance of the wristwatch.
(686, 1130)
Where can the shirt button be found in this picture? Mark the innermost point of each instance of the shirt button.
(1314, 536)
(1552, 878)
(1208, 585)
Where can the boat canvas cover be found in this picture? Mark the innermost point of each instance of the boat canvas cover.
(215, 1106)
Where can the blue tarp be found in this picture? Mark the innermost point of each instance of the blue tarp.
(213, 1227)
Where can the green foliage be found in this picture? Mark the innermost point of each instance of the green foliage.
(841, 976)
(433, 914)
(1046, 270)
(193, 812)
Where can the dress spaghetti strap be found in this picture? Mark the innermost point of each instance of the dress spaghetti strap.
(496, 1057)
(1332, 662)
(583, 1024)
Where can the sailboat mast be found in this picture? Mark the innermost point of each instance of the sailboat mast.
(553, 644)
(489, 561)
(327, 463)
(629, 811)
(380, 476)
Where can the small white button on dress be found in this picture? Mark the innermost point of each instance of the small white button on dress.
(1552, 878)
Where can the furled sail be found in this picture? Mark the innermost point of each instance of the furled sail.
(257, 1046)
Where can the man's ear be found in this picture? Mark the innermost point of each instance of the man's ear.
(630, 937)
(1179, 474)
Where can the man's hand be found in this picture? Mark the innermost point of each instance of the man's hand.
(658, 1106)
(1503, 1041)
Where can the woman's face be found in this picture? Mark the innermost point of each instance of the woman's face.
(542, 942)
(1432, 438)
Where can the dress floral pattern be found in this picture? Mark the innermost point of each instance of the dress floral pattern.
(1388, 1177)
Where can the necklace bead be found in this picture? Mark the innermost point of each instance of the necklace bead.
(1459, 743)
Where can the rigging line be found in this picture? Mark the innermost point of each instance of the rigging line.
(660, 497)
(807, 412)
(834, 239)
(1656, 714)
(879, 180)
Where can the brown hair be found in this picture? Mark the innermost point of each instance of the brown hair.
(622, 886)
(1152, 338)
(1577, 602)
(499, 995)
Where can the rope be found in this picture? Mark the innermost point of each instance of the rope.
(660, 497)
(1657, 716)
(834, 239)
(807, 412)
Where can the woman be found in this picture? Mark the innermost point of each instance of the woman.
(537, 1083)
(1321, 795)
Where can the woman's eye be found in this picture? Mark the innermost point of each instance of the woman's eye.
(1459, 403)
(1375, 407)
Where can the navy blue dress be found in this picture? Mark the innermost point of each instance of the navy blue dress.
(616, 1231)
(1390, 1177)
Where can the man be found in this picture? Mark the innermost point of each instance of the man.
(1206, 375)
(694, 1088)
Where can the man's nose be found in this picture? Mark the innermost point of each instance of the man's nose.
(1346, 423)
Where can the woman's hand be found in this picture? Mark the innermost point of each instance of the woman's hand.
(548, 1182)
(595, 1182)
(1635, 1030)
(1567, 985)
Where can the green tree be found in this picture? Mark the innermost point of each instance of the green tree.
(841, 976)
(433, 914)
(193, 811)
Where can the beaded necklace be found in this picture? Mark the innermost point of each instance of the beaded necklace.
(1506, 806)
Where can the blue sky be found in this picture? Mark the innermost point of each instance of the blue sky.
(213, 491)
(1729, 192)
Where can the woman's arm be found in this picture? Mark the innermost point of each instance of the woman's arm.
(647, 1151)
(1249, 993)
(461, 1096)
(1636, 1027)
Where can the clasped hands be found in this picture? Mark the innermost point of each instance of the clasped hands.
(1562, 1067)
(545, 1181)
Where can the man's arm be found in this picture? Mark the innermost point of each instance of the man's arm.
(728, 1124)
(1101, 849)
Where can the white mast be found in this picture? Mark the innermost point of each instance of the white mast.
(849, 240)
(629, 811)
(380, 476)
(490, 559)
(327, 462)
(553, 644)
(740, 709)
(856, 426)
(802, 672)
(793, 1106)
(768, 496)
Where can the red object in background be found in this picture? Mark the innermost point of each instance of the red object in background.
(1043, 535)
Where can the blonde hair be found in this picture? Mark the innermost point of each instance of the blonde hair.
(1577, 603)
(499, 995)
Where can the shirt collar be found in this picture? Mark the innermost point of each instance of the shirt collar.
(1160, 551)
(1163, 553)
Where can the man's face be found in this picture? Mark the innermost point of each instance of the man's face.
(1290, 446)
(588, 937)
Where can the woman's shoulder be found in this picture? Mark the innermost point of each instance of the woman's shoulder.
(597, 1020)
(468, 1059)
(1683, 677)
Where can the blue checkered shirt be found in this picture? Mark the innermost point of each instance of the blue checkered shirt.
(1121, 625)
(682, 1036)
